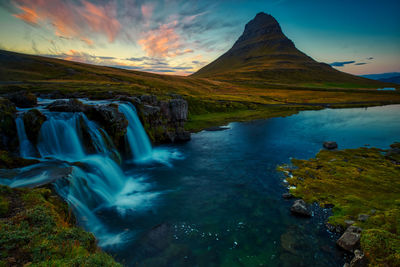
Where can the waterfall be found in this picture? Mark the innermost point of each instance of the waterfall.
(26, 148)
(79, 158)
(136, 136)
(59, 138)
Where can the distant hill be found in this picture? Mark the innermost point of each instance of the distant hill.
(264, 54)
(389, 77)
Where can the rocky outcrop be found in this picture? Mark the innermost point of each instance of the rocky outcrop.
(330, 145)
(350, 240)
(22, 99)
(111, 120)
(33, 120)
(71, 105)
(300, 208)
(163, 120)
(8, 128)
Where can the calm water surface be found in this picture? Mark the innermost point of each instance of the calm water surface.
(221, 205)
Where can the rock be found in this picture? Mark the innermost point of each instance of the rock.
(330, 145)
(300, 208)
(359, 259)
(216, 129)
(363, 217)
(287, 196)
(111, 120)
(8, 128)
(350, 240)
(179, 110)
(349, 222)
(149, 99)
(22, 99)
(71, 105)
(334, 228)
(33, 120)
(150, 110)
(182, 136)
(346, 264)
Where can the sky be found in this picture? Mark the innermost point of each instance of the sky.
(180, 36)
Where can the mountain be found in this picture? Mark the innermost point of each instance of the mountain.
(388, 77)
(264, 54)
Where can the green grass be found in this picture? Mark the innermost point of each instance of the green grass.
(356, 181)
(37, 229)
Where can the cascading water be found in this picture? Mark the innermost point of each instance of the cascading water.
(138, 141)
(80, 158)
(26, 148)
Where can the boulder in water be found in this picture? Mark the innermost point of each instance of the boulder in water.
(300, 208)
(330, 145)
(33, 120)
(22, 99)
(8, 128)
(359, 259)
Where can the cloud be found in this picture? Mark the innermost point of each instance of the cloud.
(147, 11)
(341, 63)
(370, 58)
(164, 42)
(361, 63)
(71, 19)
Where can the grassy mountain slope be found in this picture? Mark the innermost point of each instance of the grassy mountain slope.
(211, 102)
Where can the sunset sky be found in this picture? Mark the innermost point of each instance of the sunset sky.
(181, 36)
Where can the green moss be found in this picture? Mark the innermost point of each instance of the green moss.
(356, 181)
(9, 162)
(41, 232)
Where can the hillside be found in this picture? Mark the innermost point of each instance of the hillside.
(263, 54)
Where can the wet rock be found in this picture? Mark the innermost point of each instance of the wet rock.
(330, 145)
(363, 217)
(359, 259)
(33, 120)
(350, 240)
(71, 105)
(334, 228)
(8, 128)
(22, 99)
(181, 136)
(216, 129)
(164, 120)
(300, 208)
(111, 120)
(287, 196)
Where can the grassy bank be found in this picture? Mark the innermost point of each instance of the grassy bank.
(357, 181)
(37, 229)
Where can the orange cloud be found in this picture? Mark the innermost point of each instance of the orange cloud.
(147, 11)
(69, 19)
(28, 15)
(163, 42)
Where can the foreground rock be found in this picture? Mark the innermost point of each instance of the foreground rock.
(330, 145)
(350, 240)
(8, 128)
(33, 120)
(300, 208)
(22, 99)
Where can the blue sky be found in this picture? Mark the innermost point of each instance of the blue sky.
(179, 37)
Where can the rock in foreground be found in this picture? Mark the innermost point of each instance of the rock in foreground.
(300, 208)
(350, 240)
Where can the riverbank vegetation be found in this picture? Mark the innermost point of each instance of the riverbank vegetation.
(363, 185)
(38, 229)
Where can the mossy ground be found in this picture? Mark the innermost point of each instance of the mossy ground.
(356, 181)
(37, 229)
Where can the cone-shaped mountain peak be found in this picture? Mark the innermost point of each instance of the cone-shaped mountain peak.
(263, 53)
